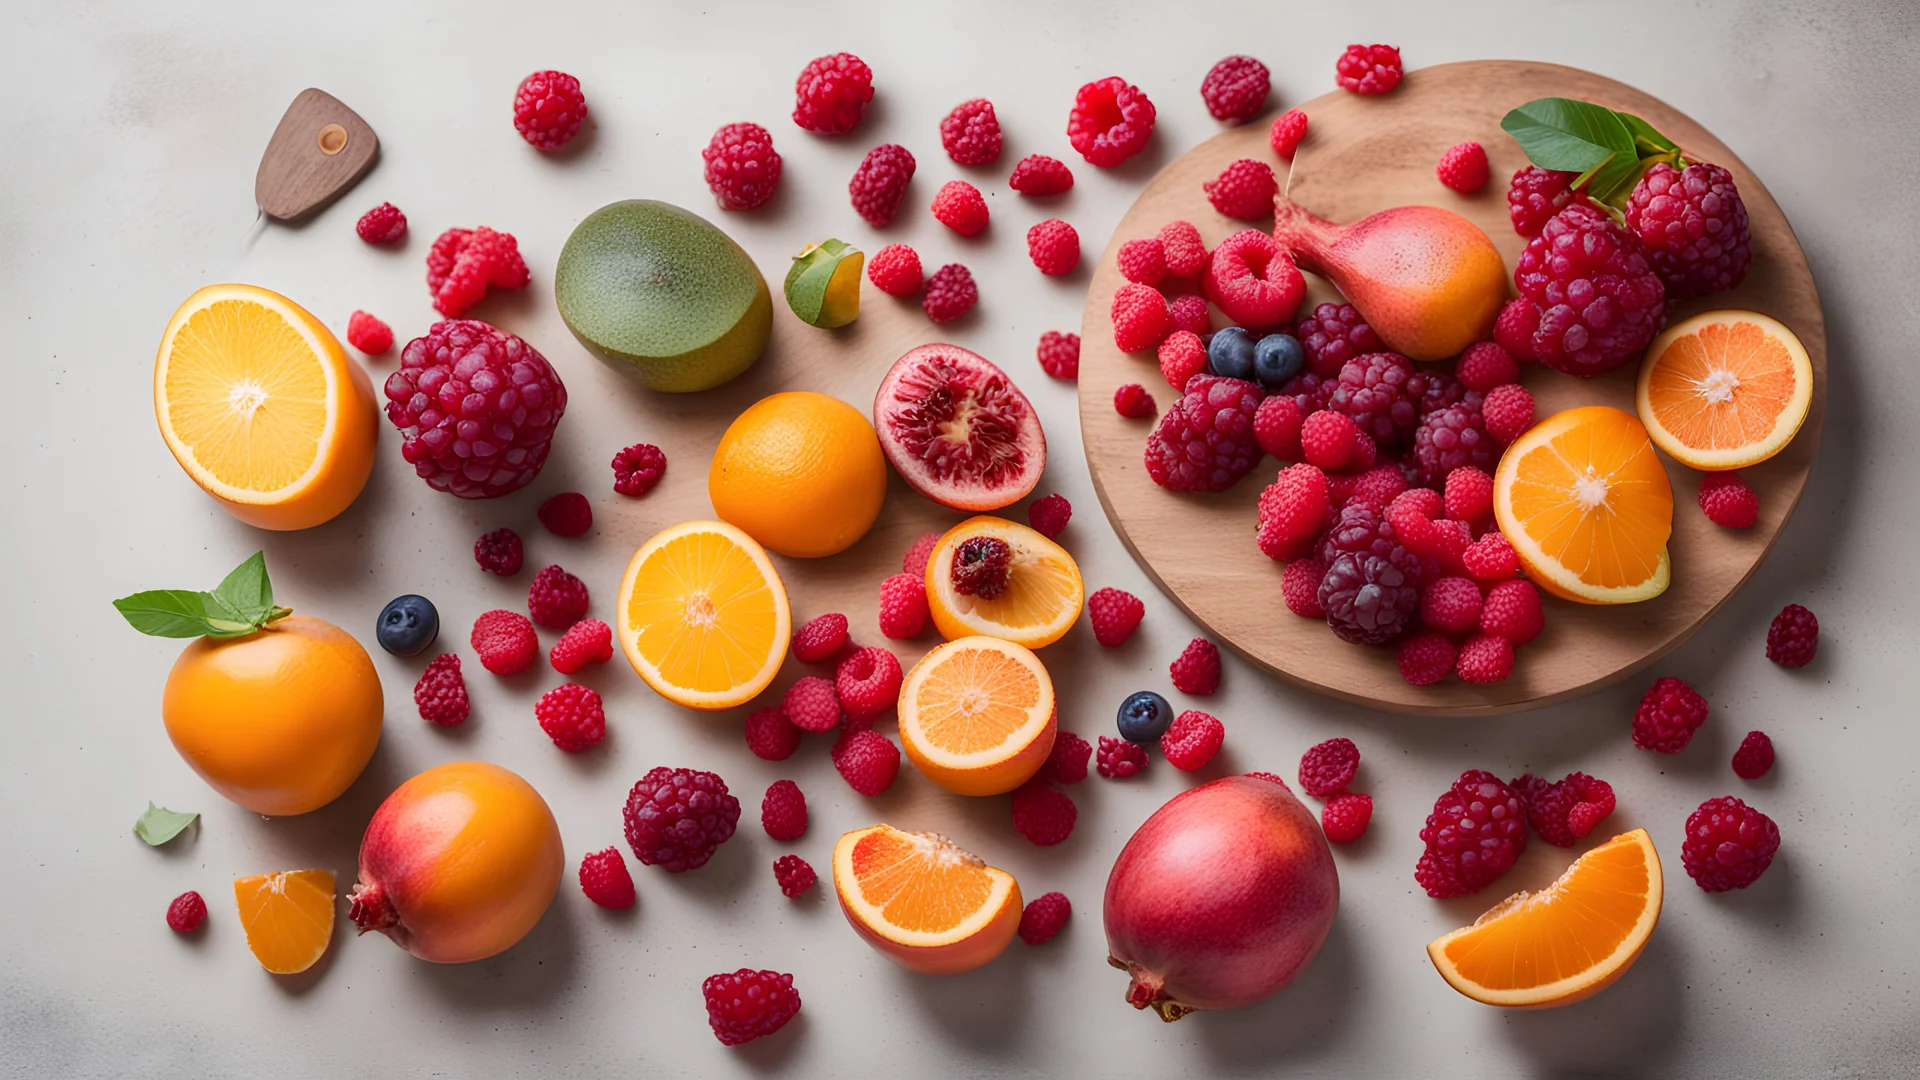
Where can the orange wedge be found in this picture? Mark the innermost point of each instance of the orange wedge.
(1043, 591)
(262, 408)
(1724, 389)
(923, 901)
(702, 615)
(288, 917)
(1586, 503)
(977, 715)
(1568, 941)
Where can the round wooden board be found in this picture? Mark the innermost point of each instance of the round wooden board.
(1365, 154)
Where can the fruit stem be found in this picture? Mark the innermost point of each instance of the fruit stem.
(1304, 235)
(370, 909)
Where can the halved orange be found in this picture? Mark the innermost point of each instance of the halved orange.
(922, 900)
(1586, 504)
(702, 615)
(1566, 942)
(1043, 591)
(977, 715)
(1724, 389)
(262, 408)
(288, 917)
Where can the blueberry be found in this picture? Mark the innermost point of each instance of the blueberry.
(1277, 358)
(408, 624)
(1230, 353)
(1144, 717)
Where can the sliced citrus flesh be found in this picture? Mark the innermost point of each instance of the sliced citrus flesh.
(1566, 942)
(1043, 589)
(262, 408)
(288, 917)
(1724, 389)
(977, 715)
(924, 901)
(703, 616)
(1587, 506)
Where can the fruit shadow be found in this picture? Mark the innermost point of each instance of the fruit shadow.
(1293, 1025)
(769, 1053)
(1585, 1038)
(982, 1008)
(532, 975)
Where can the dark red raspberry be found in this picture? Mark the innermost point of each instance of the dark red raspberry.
(1143, 262)
(1244, 190)
(1485, 659)
(638, 469)
(1468, 493)
(1451, 604)
(783, 811)
(500, 552)
(1205, 441)
(1059, 355)
(832, 94)
(1253, 282)
(1328, 768)
(186, 913)
(1440, 389)
(1132, 401)
(556, 599)
(743, 169)
(1507, 412)
(1727, 500)
(1287, 131)
(1600, 301)
(820, 638)
(1067, 762)
(1190, 313)
(1039, 175)
(368, 334)
(1793, 637)
(1292, 510)
(572, 716)
(867, 760)
(1491, 558)
(441, 694)
(1694, 225)
(895, 270)
(1425, 659)
(1049, 515)
(1463, 168)
(981, 565)
(1110, 122)
(771, 736)
(916, 559)
(1450, 438)
(548, 108)
(1477, 829)
(1512, 610)
(951, 293)
(747, 1004)
(959, 206)
(1345, 817)
(1118, 759)
(1191, 740)
(1729, 844)
(588, 641)
(812, 704)
(1371, 599)
(476, 409)
(677, 818)
(1381, 393)
(1197, 669)
(1181, 246)
(384, 224)
(1114, 615)
(903, 606)
(1054, 247)
(1484, 366)
(1276, 425)
(794, 874)
(463, 264)
(971, 133)
(1565, 811)
(868, 683)
(1668, 716)
(1236, 89)
(1044, 917)
(605, 880)
(1368, 69)
(505, 641)
(1140, 317)
(880, 183)
(566, 514)
(1754, 757)
(1043, 814)
(1300, 588)
(1514, 328)
(1534, 195)
(1333, 335)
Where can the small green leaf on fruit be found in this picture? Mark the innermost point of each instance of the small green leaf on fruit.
(247, 590)
(1649, 140)
(176, 613)
(240, 605)
(1569, 136)
(159, 824)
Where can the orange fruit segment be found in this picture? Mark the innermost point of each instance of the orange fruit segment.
(288, 917)
(1724, 389)
(1042, 598)
(1566, 942)
(924, 901)
(977, 715)
(702, 615)
(1587, 506)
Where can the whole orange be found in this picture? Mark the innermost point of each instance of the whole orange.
(800, 472)
(280, 721)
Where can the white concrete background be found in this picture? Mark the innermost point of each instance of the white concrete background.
(131, 136)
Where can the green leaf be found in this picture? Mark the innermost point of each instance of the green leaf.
(247, 593)
(1645, 137)
(238, 606)
(159, 824)
(176, 613)
(1570, 136)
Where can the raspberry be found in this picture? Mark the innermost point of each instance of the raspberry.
(1205, 441)
(1333, 335)
(1049, 515)
(1143, 262)
(638, 469)
(1276, 425)
(1300, 588)
(820, 638)
(1425, 659)
(959, 206)
(1491, 558)
(1327, 440)
(188, 911)
(1114, 615)
(868, 682)
(1363, 454)
(1139, 317)
(812, 704)
(1110, 121)
(384, 224)
(1235, 89)
(677, 818)
(980, 567)
(951, 293)
(971, 133)
(747, 1004)
(1184, 251)
(1600, 301)
(1291, 511)
(1043, 814)
(1729, 844)
(566, 514)
(1452, 604)
(1463, 168)
(1567, 810)
(556, 599)
(499, 552)
(880, 183)
(588, 641)
(1486, 365)
(1469, 495)
(742, 167)
(1118, 759)
(463, 263)
(1327, 769)
(1054, 247)
(1378, 487)
(1368, 69)
(1793, 637)
(1132, 401)
(1513, 329)
(548, 108)
(1451, 438)
(1345, 817)
(895, 270)
(794, 874)
(1727, 500)
(1182, 356)
(1244, 190)
(1190, 313)
(1512, 611)
(832, 94)
(1067, 762)
(1485, 659)
(605, 880)
(1754, 757)
(441, 694)
(1253, 282)
(1535, 194)
(1059, 355)
(1507, 412)
(1381, 393)
(867, 760)
(1287, 131)
(903, 606)
(916, 559)
(1477, 829)
(368, 334)
(1359, 529)
(476, 409)
(771, 736)
(1197, 669)
(572, 716)
(1370, 599)
(1044, 917)
(1694, 226)
(1191, 740)
(505, 641)
(783, 811)
(1668, 716)
(1039, 175)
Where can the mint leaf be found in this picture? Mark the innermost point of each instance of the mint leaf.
(1569, 136)
(238, 606)
(159, 824)
(246, 594)
(177, 613)
(1645, 137)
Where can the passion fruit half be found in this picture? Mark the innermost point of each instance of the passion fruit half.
(957, 429)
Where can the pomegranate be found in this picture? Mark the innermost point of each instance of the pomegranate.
(1427, 280)
(956, 428)
(1222, 898)
(458, 863)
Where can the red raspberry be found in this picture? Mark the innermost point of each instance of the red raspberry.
(1327, 769)
(747, 1004)
(880, 183)
(742, 167)
(1600, 301)
(1038, 175)
(1425, 659)
(1368, 69)
(186, 913)
(1477, 829)
(1300, 588)
(1118, 759)
(1451, 438)
(638, 469)
(867, 760)
(1486, 365)
(812, 704)
(463, 263)
(1287, 131)
(820, 638)
(1535, 194)
(1469, 495)
(588, 641)
(1054, 247)
(1143, 262)
(1668, 716)
(1424, 503)
(1191, 740)
(1378, 487)
(1567, 810)
(1359, 529)
(1513, 329)
(1197, 669)
(1491, 558)
(1452, 604)
(465, 375)
(548, 108)
(1381, 393)
(1754, 757)
(1512, 610)
(1049, 515)
(1292, 511)
(605, 880)
(1044, 917)
(384, 224)
(1043, 814)
(1485, 659)
(1341, 484)
(951, 293)
(1059, 355)
(1694, 225)
(794, 875)
(1139, 317)
(1463, 168)
(916, 559)
(368, 334)
(677, 818)
(1184, 251)
(1270, 778)
(1507, 412)
(1345, 817)
(1205, 441)
(1132, 401)
(771, 736)
(441, 694)
(1067, 762)
(783, 811)
(499, 552)
(1333, 335)
(981, 567)
(572, 717)
(1276, 425)
(1255, 283)
(567, 514)
(1327, 439)
(1190, 313)
(959, 206)
(903, 606)
(971, 133)
(1236, 88)
(1727, 500)
(1793, 637)
(1244, 190)
(1729, 844)
(895, 270)
(1114, 615)
(505, 641)
(868, 682)
(556, 599)
(1364, 453)
(1110, 121)
(1182, 356)
(832, 94)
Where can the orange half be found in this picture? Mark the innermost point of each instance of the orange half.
(977, 715)
(703, 616)
(1042, 598)
(1724, 389)
(288, 917)
(922, 900)
(1566, 942)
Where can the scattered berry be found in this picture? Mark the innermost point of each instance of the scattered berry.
(959, 206)
(783, 811)
(1181, 246)
(867, 760)
(1754, 757)
(1464, 168)
(384, 224)
(1287, 131)
(1054, 247)
(1190, 313)
(1600, 301)
(1567, 810)
(1197, 669)
(880, 183)
(1378, 487)
(1327, 769)
(1668, 716)
(1139, 317)
(1451, 604)
(1205, 441)
(916, 559)
(1132, 401)
(812, 704)
(1182, 356)
(1484, 366)
(1049, 515)
(771, 736)
(971, 133)
(605, 880)
(1276, 426)
(1333, 335)
(1727, 500)
(1231, 353)
(567, 514)
(742, 167)
(1451, 438)
(1244, 190)
(1043, 814)
(1491, 558)
(1793, 637)
(677, 818)
(408, 625)
(500, 552)
(548, 108)
(1345, 817)
(444, 386)
(1118, 759)
(747, 1004)
(1477, 829)
(1368, 69)
(1694, 225)
(951, 293)
(1300, 588)
(1067, 762)
(463, 264)
(868, 682)
(820, 638)
(1038, 175)
(794, 874)
(1059, 355)
(441, 694)
(638, 469)
(505, 641)
(1114, 615)
(188, 911)
(903, 606)
(1513, 329)
(1381, 393)
(1253, 282)
(1425, 659)
(1143, 717)
(1143, 262)
(588, 641)
(1292, 510)
(1192, 740)
(1327, 440)
(1044, 917)
(1485, 659)
(556, 599)
(832, 94)
(1729, 844)
(572, 716)
(1236, 88)
(1535, 194)
(1512, 610)
(1507, 412)
(368, 334)
(1468, 493)
(1110, 121)
(981, 567)
(895, 270)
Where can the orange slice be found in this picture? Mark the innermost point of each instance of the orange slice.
(1587, 506)
(288, 917)
(1566, 942)
(977, 715)
(262, 408)
(923, 901)
(1724, 389)
(1043, 593)
(702, 615)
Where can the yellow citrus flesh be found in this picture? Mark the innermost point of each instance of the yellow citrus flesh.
(288, 917)
(1043, 595)
(923, 901)
(1724, 389)
(977, 715)
(703, 616)
(1566, 942)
